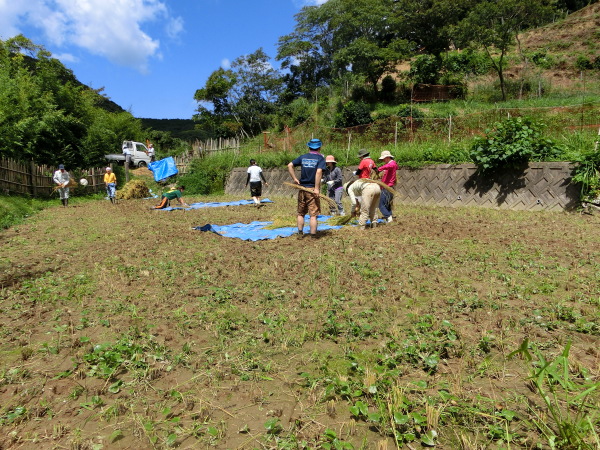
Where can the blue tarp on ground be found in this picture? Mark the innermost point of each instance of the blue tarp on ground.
(163, 169)
(255, 231)
(214, 204)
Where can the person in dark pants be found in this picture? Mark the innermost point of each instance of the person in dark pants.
(255, 176)
(389, 178)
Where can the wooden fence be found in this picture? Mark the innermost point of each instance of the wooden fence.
(202, 148)
(17, 177)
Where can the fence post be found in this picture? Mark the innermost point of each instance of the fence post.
(32, 178)
(348, 150)
(396, 136)
(94, 184)
(450, 129)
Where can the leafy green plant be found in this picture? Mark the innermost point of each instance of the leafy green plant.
(571, 401)
(513, 143)
(352, 114)
(587, 174)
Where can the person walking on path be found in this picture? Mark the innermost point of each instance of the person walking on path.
(366, 164)
(333, 179)
(255, 175)
(364, 198)
(389, 178)
(110, 180)
(311, 165)
(175, 193)
(62, 178)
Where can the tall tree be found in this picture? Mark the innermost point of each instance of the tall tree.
(241, 99)
(495, 25)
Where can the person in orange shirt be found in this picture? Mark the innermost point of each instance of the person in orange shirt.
(110, 180)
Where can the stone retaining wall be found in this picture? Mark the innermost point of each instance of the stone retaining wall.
(540, 186)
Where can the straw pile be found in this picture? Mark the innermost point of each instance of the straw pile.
(282, 222)
(341, 220)
(134, 189)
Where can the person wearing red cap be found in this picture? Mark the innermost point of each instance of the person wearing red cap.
(333, 178)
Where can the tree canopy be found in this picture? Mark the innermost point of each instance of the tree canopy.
(47, 116)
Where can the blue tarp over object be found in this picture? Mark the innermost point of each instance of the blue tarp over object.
(164, 168)
(215, 204)
(255, 231)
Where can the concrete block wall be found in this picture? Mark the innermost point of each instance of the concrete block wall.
(539, 186)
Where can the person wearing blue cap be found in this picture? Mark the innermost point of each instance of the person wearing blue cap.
(311, 165)
(61, 178)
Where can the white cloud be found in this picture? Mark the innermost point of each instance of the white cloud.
(225, 63)
(65, 57)
(108, 28)
(301, 3)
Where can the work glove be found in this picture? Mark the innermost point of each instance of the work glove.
(330, 183)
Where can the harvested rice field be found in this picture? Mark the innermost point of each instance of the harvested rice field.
(124, 328)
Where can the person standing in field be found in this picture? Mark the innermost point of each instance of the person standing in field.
(151, 152)
(389, 178)
(333, 179)
(175, 193)
(366, 164)
(311, 165)
(364, 198)
(62, 178)
(254, 177)
(110, 180)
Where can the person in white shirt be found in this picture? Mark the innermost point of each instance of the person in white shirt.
(127, 153)
(364, 197)
(255, 176)
(61, 178)
(151, 152)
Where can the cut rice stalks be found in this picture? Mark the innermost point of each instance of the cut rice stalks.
(302, 188)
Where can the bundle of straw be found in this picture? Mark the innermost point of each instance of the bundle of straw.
(302, 188)
(70, 184)
(134, 189)
(381, 184)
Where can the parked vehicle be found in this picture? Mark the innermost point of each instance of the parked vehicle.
(139, 155)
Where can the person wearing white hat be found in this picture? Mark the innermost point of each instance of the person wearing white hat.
(333, 178)
(110, 180)
(389, 178)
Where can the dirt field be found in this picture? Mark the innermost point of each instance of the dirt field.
(122, 327)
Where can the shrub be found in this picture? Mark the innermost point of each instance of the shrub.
(352, 114)
(388, 89)
(425, 69)
(542, 59)
(583, 63)
(513, 143)
(407, 111)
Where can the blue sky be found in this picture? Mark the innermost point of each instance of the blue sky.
(150, 56)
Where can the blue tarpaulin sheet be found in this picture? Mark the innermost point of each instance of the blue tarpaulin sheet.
(255, 231)
(214, 204)
(163, 169)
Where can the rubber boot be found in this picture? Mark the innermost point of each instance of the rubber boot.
(66, 202)
(63, 202)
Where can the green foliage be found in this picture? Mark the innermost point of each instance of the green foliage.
(542, 59)
(14, 209)
(587, 174)
(583, 63)
(425, 69)
(570, 400)
(513, 143)
(352, 114)
(48, 116)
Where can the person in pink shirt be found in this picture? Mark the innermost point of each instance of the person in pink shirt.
(366, 164)
(389, 169)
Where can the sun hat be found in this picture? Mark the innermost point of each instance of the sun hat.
(61, 166)
(330, 158)
(108, 168)
(363, 152)
(386, 154)
(314, 144)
